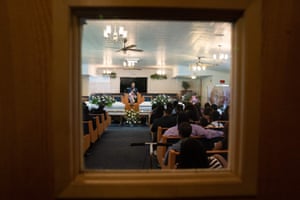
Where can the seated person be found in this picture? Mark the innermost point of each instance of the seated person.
(206, 114)
(167, 120)
(225, 114)
(85, 117)
(177, 109)
(85, 113)
(215, 115)
(157, 112)
(194, 99)
(203, 122)
(192, 111)
(199, 109)
(193, 155)
(175, 103)
(197, 130)
(184, 130)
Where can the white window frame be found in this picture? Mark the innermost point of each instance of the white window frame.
(64, 88)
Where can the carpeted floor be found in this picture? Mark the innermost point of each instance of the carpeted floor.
(113, 150)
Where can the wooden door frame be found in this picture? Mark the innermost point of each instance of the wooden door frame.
(71, 181)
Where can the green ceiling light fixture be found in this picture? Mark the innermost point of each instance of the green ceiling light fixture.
(157, 76)
(113, 75)
(109, 74)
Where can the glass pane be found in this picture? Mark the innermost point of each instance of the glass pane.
(141, 74)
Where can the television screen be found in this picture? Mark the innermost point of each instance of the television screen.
(140, 84)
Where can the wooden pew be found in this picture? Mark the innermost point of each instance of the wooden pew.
(103, 121)
(95, 132)
(161, 150)
(107, 120)
(87, 136)
(100, 123)
(160, 132)
(173, 154)
(100, 126)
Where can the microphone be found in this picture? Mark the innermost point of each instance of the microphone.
(150, 143)
(137, 144)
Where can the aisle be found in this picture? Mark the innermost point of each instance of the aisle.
(113, 150)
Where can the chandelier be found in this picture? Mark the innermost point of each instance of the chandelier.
(130, 62)
(161, 72)
(198, 67)
(115, 34)
(220, 55)
(106, 72)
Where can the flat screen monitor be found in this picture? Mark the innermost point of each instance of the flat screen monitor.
(140, 84)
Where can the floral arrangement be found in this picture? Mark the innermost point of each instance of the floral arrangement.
(161, 99)
(102, 100)
(132, 117)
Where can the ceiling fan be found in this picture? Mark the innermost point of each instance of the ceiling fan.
(203, 60)
(129, 47)
(199, 61)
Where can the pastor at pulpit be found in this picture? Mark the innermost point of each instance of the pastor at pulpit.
(132, 93)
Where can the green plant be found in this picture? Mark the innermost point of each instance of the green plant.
(158, 76)
(185, 85)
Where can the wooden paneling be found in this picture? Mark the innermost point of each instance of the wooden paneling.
(25, 59)
(7, 113)
(279, 163)
(25, 46)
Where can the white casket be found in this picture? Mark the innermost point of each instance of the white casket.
(117, 108)
(146, 106)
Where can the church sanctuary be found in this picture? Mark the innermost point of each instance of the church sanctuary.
(138, 76)
(149, 99)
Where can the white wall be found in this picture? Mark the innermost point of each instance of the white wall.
(85, 85)
(98, 84)
(207, 85)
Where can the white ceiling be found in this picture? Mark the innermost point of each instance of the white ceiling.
(165, 43)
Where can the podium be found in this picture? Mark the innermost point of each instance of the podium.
(134, 106)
